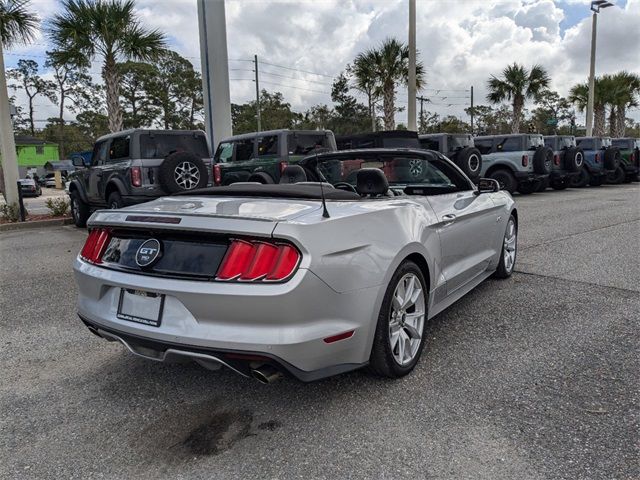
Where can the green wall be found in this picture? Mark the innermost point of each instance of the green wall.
(36, 155)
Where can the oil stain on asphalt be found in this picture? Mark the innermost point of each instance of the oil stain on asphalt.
(219, 433)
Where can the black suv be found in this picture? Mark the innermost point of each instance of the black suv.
(135, 166)
(459, 148)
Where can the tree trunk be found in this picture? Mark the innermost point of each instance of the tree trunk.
(599, 119)
(518, 103)
(621, 121)
(389, 106)
(31, 123)
(112, 84)
(612, 121)
(372, 111)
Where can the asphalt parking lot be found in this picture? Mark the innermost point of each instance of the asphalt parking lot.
(530, 378)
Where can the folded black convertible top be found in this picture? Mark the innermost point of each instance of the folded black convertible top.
(291, 190)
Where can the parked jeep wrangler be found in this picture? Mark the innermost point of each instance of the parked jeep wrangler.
(135, 166)
(629, 158)
(567, 161)
(262, 156)
(380, 139)
(517, 161)
(459, 148)
(600, 159)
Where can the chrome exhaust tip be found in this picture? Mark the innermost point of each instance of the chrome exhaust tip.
(266, 374)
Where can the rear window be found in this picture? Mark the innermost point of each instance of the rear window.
(606, 142)
(509, 144)
(430, 144)
(400, 142)
(484, 145)
(157, 145)
(268, 146)
(585, 143)
(534, 142)
(550, 142)
(623, 144)
(457, 143)
(302, 144)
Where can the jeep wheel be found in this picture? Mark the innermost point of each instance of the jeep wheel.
(580, 181)
(611, 159)
(261, 177)
(115, 201)
(505, 179)
(542, 160)
(616, 177)
(573, 159)
(470, 162)
(182, 171)
(525, 188)
(79, 210)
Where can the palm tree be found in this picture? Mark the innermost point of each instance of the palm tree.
(517, 85)
(579, 96)
(623, 93)
(108, 29)
(390, 62)
(366, 80)
(17, 25)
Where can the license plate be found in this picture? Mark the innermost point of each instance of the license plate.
(141, 307)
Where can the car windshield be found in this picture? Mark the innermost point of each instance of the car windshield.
(398, 169)
(158, 145)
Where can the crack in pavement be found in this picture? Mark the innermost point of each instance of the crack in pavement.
(579, 233)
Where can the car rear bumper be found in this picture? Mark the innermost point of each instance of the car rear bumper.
(562, 175)
(530, 177)
(285, 323)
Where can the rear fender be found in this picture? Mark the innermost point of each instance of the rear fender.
(115, 184)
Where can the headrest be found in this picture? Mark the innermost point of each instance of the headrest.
(293, 174)
(371, 181)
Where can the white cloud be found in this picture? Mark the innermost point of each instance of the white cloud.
(461, 42)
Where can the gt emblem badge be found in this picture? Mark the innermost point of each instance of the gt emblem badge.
(148, 253)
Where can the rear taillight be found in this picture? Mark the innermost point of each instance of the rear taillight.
(283, 165)
(217, 174)
(597, 158)
(258, 260)
(95, 245)
(136, 177)
(556, 159)
(525, 160)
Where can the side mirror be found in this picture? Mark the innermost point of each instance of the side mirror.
(77, 162)
(486, 185)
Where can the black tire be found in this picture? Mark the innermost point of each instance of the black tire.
(261, 177)
(596, 181)
(581, 180)
(80, 211)
(542, 160)
(611, 158)
(502, 272)
(525, 188)
(560, 184)
(616, 177)
(115, 201)
(469, 160)
(382, 361)
(182, 171)
(544, 184)
(505, 178)
(573, 159)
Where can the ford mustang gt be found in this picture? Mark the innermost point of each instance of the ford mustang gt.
(338, 267)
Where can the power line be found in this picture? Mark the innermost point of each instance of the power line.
(297, 69)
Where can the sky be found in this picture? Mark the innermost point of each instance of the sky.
(302, 45)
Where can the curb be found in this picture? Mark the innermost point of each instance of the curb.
(54, 222)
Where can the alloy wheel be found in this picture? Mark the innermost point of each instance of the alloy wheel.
(187, 175)
(510, 246)
(406, 322)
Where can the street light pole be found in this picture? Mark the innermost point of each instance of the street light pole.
(411, 110)
(596, 5)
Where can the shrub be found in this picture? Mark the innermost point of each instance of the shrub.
(11, 212)
(57, 206)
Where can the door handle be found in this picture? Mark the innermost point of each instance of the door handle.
(449, 216)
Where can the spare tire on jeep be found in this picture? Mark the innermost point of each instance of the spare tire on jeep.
(611, 158)
(542, 160)
(182, 171)
(469, 160)
(573, 159)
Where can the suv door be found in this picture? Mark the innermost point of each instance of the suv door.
(96, 171)
(466, 227)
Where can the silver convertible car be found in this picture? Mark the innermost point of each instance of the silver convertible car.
(336, 268)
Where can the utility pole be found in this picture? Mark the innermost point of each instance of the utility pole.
(7, 142)
(422, 100)
(215, 70)
(471, 111)
(411, 111)
(255, 61)
(596, 5)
